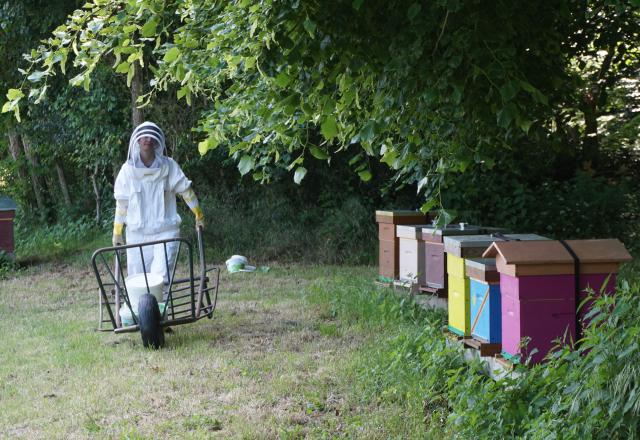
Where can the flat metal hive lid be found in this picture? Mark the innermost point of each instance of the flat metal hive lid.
(7, 204)
(484, 240)
(409, 231)
(486, 264)
(454, 229)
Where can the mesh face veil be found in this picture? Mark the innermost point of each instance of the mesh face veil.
(146, 129)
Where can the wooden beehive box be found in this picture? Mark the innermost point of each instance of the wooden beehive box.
(435, 257)
(411, 252)
(538, 288)
(7, 214)
(484, 300)
(457, 248)
(388, 256)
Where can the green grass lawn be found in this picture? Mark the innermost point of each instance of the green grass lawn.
(301, 351)
(275, 362)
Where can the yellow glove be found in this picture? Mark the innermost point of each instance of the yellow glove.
(199, 217)
(117, 239)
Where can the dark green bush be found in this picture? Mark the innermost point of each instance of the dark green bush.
(580, 207)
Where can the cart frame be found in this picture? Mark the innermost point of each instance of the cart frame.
(186, 300)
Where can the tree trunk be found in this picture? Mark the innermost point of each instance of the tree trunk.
(96, 191)
(63, 184)
(591, 102)
(35, 179)
(590, 145)
(137, 117)
(15, 148)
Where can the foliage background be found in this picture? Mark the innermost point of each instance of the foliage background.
(515, 114)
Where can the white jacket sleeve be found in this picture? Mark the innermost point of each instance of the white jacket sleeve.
(178, 182)
(121, 186)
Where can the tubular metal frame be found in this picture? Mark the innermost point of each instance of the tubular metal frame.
(192, 303)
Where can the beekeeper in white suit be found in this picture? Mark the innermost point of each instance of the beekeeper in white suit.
(145, 192)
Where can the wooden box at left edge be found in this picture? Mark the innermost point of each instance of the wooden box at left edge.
(389, 253)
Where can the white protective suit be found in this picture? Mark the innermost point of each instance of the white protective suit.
(151, 195)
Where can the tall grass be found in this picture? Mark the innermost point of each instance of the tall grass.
(592, 391)
(38, 243)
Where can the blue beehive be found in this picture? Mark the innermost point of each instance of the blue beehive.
(484, 292)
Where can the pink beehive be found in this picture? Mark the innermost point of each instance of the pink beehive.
(538, 289)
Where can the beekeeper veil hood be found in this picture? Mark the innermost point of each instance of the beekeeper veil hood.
(148, 129)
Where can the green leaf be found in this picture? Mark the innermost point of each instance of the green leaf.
(7, 107)
(355, 159)
(507, 114)
(130, 76)
(149, 29)
(413, 11)
(209, 143)
(36, 76)
(42, 95)
(318, 153)
(509, 90)
(365, 175)
(426, 206)
(357, 4)
(246, 164)
(367, 133)
(306, 108)
(172, 54)
(203, 147)
(299, 175)
(282, 80)
(14, 94)
(524, 124)
(182, 92)
(329, 128)
(310, 27)
(422, 183)
(123, 67)
(445, 217)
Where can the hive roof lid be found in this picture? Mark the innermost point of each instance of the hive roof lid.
(398, 213)
(485, 240)
(7, 204)
(553, 252)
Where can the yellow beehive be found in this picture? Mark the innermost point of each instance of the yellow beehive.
(458, 296)
(458, 248)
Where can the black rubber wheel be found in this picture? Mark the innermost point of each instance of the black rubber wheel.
(149, 319)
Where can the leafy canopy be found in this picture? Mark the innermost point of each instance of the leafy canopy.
(427, 88)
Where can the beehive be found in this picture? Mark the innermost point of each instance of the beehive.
(411, 259)
(7, 215)
(458, 248)
(538, 289)
(435, 257)
(388, 256)
(484, 299)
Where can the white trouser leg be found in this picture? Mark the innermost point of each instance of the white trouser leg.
(135, 257)
(154, 256)
(164, 265)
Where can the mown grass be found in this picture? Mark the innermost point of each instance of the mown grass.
(301, 351)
